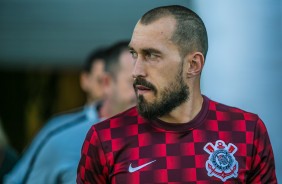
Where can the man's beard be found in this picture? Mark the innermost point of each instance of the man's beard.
(176, 93)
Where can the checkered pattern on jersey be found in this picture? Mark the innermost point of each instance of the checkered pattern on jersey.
(159, 152)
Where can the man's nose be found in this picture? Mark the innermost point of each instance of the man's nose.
(139, 68)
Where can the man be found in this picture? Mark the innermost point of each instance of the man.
(57, 155)
(175, 134)
(45, 145)
(119, 94)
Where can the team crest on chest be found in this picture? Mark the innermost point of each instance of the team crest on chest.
(221, 163)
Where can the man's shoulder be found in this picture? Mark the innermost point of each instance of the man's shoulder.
(227, 111)
(59, 123)
(66, 115)
(63, 117)
(122, 119)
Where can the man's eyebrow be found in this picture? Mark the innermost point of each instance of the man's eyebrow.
(146, 50)
(150, 50)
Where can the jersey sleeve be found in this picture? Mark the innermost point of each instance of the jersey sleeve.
(92, 167)
(263, 167)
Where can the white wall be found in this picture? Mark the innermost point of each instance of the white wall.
(244, 61)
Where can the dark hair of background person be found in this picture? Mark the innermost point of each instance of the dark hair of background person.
(92, 58)
(112, 55)
(190, 33)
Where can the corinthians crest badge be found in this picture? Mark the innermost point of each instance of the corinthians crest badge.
(221, 163)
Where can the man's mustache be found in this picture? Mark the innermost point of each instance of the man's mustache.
(143, 82)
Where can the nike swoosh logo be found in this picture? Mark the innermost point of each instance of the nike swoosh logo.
(133, 169)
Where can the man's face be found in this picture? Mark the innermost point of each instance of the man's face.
(158, 71)
(92, 82)
(124, 96)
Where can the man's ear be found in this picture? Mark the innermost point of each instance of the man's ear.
(195, 63)
(84, 83)
(107, 79)
(107, 82)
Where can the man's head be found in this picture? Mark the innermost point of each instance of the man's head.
(92, 76)
(169, 45)
(189, 32)
(119, 66)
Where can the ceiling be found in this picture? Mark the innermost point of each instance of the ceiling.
(61, 33)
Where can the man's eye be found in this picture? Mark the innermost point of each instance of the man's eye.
(151, 56)
(133, 54)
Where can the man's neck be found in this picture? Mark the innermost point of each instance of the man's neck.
(106, 110)
(186, 111)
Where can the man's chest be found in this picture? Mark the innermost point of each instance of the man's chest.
(178, 158)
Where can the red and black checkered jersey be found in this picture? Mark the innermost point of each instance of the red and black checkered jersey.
(221, 144)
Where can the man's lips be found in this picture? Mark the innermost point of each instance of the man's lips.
(142, 89)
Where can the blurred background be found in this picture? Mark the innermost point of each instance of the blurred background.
(44, 43)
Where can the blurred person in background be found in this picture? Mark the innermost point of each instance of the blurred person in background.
(175, 134)
(58, 156)
(118, 91)
(8, 156)
(71, 125)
